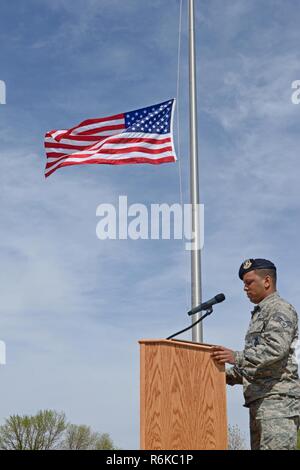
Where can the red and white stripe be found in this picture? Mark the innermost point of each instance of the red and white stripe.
(105, 141)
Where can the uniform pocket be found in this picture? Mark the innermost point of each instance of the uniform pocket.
(255, 332)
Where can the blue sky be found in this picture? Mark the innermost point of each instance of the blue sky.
(73, 307)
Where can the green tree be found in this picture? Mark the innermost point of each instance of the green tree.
(83, 438)
(104, 442)
(40, 432)
(49, 429)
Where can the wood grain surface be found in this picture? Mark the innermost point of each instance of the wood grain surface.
(182, 397)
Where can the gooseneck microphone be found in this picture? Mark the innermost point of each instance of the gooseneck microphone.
(207, 305)
(204, 306)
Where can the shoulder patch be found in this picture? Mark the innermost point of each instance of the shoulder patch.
(284, 321)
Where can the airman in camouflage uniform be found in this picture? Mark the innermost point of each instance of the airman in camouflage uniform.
(267, 367)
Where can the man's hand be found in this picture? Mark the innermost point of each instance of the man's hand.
(222, 355)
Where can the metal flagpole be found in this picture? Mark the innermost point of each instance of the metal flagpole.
(197, 331)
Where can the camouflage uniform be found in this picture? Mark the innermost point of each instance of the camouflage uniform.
(268, 371)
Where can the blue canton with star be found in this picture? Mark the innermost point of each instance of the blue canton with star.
(154, 119)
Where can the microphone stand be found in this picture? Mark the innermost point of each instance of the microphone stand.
(208, 312)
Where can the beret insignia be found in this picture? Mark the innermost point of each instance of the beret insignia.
(247, 264)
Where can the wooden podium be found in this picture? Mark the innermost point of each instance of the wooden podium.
(182, 397)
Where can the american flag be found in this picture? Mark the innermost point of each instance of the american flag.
(140, 136)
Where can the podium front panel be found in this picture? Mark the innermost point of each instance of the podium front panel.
(182, 397)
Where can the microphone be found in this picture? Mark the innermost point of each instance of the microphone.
(207, 305)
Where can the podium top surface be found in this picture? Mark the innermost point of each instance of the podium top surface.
(202, 346)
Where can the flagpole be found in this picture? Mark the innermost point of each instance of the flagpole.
(196, 286)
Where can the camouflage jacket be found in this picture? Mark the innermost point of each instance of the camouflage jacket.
(267, 366)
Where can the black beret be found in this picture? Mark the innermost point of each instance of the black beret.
(257, 263)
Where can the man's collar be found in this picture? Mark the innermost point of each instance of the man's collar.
(256, 309)
(267, 299)
(263, 302)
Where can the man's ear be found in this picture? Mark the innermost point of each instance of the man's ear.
(268, 281)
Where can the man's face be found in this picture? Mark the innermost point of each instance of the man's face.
(256, 287)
